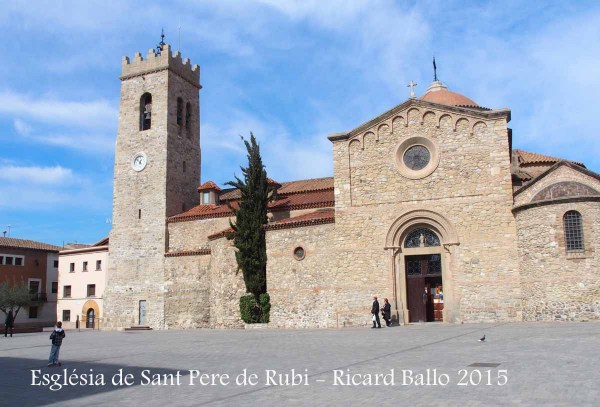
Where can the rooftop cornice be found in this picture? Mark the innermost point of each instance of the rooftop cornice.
(83, 250)
(469, 111)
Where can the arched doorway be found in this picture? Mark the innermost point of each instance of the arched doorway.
(90, 318)
(422, 244)
(90, 314)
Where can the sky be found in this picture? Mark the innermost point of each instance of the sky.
(291, 72)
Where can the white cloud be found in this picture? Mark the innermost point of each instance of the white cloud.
(36, 175)
(103, 143)
(94, 113)
(286, 156)
(21, 127)
(44, 189)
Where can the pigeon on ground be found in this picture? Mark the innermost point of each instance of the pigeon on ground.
(482, 339)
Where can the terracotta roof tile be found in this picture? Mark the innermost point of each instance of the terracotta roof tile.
(229, 194)
(27, 244)
(220, 234)
(307, 200)
(303, 194)
(528, 157)
(447, 97)
(289, 187)
(208, 185)
(103, 242)
(203, 212)
(306, 185)
(319, 217)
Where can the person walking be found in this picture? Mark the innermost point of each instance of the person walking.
(57, 337)
(386, 312)
(9, 323)
(375, 312)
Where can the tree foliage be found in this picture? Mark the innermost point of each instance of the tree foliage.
(252, 312)
(14, 297)
(248, 232)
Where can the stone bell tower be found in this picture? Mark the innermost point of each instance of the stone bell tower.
(157, 171)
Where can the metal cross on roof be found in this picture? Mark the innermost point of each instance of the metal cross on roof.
(162, 41)
(412, 85)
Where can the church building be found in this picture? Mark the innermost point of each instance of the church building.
(429, 206)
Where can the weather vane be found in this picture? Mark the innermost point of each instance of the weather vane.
(162, 41)
(412, 85)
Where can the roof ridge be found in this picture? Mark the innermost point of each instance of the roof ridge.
(27, 244)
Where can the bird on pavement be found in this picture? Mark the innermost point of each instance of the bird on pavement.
(482, 339)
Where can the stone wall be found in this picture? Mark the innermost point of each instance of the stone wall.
(304, 293)
(143, 200)
(557, 285)
(470, 187)
(192, 235)
(187, 292)
(226, 286)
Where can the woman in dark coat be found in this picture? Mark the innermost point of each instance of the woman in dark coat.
(9, 323)
(386, 312)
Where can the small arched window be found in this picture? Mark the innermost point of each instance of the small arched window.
(188, 116)
(146, 111)
(573, 231)
(421, 237)
(179, 111)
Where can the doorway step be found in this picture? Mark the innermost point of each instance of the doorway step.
(138, 328)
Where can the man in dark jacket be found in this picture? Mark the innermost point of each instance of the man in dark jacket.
(57, 337)
(9, 323)
(375, 312)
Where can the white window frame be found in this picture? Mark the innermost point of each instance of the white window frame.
(39, 280)
(13, 256)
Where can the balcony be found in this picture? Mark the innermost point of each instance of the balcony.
(39, 297)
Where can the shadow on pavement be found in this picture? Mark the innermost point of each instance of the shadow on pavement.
(17, 376)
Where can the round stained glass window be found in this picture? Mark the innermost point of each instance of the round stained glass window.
(299, 253)
(416, 157)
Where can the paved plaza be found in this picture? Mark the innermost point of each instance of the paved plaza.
(519, 364)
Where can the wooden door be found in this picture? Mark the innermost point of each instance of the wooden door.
(415, 287)
(91, 316)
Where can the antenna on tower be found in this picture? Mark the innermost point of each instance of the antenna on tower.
(160, 45)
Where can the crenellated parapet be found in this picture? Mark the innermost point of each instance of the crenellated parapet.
(157, 62)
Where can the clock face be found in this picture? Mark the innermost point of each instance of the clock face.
(416, 157)
(139, 161)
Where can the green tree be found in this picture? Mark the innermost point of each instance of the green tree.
(250, 217)
(14, 297)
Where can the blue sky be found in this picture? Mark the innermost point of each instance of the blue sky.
(290, 71)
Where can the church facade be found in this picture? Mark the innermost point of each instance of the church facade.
(429, 206)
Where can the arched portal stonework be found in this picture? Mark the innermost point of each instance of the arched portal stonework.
(395, 241)
(90, 304)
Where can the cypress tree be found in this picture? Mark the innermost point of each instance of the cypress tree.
(248, 233)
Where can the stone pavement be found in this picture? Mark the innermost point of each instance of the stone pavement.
(544, 363)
